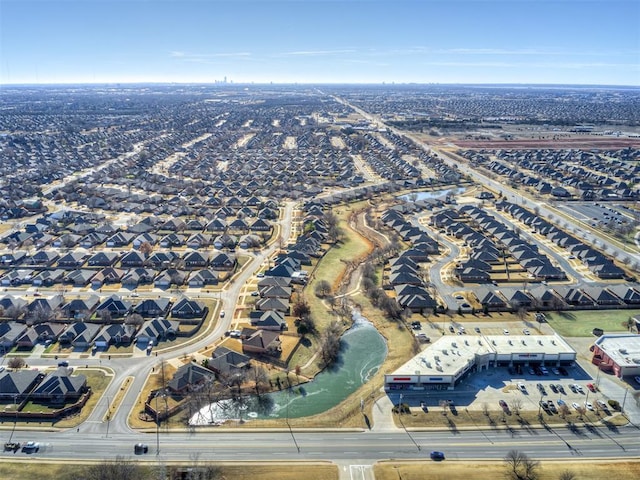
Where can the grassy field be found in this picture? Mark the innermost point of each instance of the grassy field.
(61, 471)
(483, 470)
(581, 323)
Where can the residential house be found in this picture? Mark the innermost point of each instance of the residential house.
(190, 377)
(60, 387)
(152, 307)
(79, 334)
(261, 342)
(187, 308)
(155, 330)
(227, 363)
(114, 334)
(15, 385)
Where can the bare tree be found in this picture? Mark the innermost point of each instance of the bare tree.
(567, 475)
(260, 378)
(330, 344)
(520, 467)
(105, 315)
(118, 469)
(322, 289)
(16, 362)
(134, 319)
(516, 406)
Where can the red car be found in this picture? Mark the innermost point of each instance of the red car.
(592, 387)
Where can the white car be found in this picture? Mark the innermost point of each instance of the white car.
(588, 405)
(522, 387)
(505, 331)
(526, 331)
(575, 405)
(222, 314)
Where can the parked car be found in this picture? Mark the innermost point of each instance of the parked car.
(561, 402)
(602, 405)
(591, 387)
(575, 405)
(526, 331)
(560, 389)
(222, 314)
(552, 406)
(522, 387)
(553, 388)
(477, 329)
(572, 387)
(588, 406)
(563, 371)
(505, 331)
(503, 405)
(555, 371)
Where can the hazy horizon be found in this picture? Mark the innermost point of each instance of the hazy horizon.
(314, 42)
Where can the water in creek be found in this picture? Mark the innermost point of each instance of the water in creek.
(362, 352)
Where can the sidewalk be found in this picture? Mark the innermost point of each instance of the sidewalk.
(382, 417)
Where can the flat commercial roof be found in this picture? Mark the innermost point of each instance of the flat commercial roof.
(446, 356)
(449, 354)
(623, 349)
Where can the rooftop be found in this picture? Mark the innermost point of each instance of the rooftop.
(624, 349)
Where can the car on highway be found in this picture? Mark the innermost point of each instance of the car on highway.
(63, 363)
(31, 447)
(435, 455)
(140, 449)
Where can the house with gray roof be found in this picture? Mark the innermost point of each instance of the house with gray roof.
(155, 330)
(60, 387)
(15, 385)
(190, 377)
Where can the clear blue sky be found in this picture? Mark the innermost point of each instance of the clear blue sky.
(321, 41)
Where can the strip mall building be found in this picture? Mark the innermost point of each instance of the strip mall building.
(619, 354)
(444, 363)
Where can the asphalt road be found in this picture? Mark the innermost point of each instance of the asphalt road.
(345, 447)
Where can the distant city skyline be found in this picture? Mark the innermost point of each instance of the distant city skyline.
(588, 42)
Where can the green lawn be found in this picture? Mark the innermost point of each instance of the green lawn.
(581, 323)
